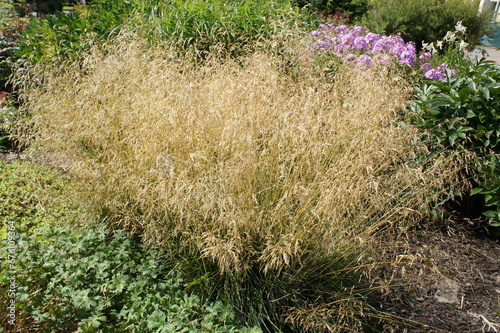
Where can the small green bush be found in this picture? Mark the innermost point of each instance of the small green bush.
(353, 9)
(426, 20)
(462, 113)
(94, 281)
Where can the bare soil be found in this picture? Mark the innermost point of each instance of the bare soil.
(444, 280)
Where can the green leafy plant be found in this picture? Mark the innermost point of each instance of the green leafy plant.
(461, 113)
(91, 280)
(60, 35)
(232, 27)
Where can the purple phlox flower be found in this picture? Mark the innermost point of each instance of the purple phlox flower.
(426, 67)
(360, 43)
(340, 28)
(381, 45)
(321, 45)
(439, 72)
(349, 57)
(348, 39)
(433, 74)
(317, 33)
(357, 44)
(425, 56)
(358, 30)
(407, 57)
(342, 49)
(364, 60)
(398, 39)
(372, 37)
(384, 59)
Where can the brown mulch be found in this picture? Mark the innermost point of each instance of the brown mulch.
(444, 281)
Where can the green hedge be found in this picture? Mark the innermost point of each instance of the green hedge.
(426, 20)
(353, 9)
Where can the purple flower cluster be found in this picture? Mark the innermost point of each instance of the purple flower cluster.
(437, 73)
(359, 46)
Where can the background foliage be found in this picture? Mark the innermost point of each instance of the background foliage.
(354, 9)
(265, 178)
(427, 20)
(185, 25)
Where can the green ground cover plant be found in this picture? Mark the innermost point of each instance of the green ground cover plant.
(34, 195)
(91, 280)
(85, 278)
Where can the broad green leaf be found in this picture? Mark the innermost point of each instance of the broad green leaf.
(470, 114)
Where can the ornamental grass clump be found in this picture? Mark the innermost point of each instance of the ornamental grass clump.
(275, 185)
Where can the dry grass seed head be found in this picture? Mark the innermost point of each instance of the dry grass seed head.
(233, 157)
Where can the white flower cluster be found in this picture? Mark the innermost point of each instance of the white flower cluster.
(452, 37)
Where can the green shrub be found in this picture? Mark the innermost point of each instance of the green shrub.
(48, 6)
(353, 9)
(426, 20)
(7, 13)
(66, 35)
(94, 281)
(462, 113)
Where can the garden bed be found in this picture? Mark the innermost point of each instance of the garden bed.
(439, 280)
